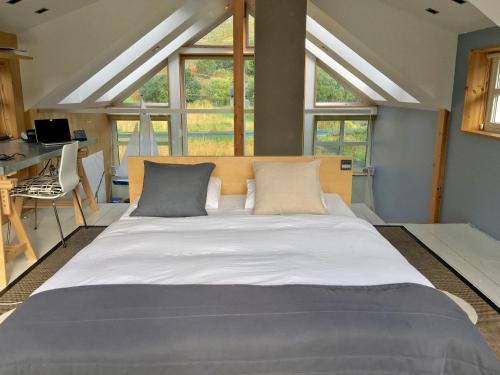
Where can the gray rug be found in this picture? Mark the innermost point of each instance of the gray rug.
(50, 263)
(416, 253)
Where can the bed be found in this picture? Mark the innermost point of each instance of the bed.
(236, 293)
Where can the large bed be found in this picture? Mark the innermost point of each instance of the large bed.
(237, 293)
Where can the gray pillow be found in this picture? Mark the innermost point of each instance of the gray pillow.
(174, 190)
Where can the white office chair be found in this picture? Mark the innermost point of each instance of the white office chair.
(54, 187)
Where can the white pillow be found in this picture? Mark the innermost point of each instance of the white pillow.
(213, 193)
(250, 200)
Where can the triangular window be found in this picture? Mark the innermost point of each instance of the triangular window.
(154, 91)
(329, 91)
(222, 35)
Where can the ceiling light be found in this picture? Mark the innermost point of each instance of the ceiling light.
(41, 10)
(459, 1)
(432, 11)
(13, 1)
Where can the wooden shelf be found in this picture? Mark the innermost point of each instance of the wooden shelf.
(13, 56)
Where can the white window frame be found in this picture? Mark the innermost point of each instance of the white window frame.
(343, 143)
(493, 93)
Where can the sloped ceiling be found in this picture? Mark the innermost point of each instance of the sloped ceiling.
(414, 49)
(490, 8)
(69, 49)
(455, 17)
(21, 16)
(418, 56)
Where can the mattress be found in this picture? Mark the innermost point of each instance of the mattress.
(232, 246)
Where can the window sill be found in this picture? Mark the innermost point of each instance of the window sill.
(484, 133)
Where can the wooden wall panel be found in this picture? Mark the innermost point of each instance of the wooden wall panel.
(12, 122)
(234, 171)
(438, 166)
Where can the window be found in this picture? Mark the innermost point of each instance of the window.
(481, 109)
(208, 83)
(250, 30)
(221, 36)
(249, 105)
(330, 92)
(208, 87)
(334, 135)
(210, 134)
(249, 134)
(154, 91)
(492, 122)
(124, 128)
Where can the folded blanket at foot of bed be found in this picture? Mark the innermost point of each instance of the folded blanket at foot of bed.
(239, 329)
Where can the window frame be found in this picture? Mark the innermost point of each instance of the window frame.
(205, 33)
(476, 95)
(186, 111)
(342, 143)
(365, 101)
(116, 143)
(493, 93)
(119, 100)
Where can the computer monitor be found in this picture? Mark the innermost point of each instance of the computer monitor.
(54, 131)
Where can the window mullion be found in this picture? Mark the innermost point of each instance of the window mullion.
(341, 138)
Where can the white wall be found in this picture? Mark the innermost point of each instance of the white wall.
(417, 55)
(70, 49)
(490, 8)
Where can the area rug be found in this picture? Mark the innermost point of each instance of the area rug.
(410, 247)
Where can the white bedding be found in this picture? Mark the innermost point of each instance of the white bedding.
(231, 246)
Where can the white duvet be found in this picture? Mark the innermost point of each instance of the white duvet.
(238, 249)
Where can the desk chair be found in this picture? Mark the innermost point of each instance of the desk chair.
(54, 187)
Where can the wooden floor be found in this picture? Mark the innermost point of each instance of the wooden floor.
(47, 235)
(470, 252)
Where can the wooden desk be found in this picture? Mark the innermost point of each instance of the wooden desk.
(9, 212)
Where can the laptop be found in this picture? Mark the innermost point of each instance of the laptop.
(53, 132)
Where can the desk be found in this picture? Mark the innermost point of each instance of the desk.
(10, 212)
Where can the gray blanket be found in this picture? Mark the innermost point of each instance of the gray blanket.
(218, 330)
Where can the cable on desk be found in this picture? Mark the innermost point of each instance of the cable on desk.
(5, 157)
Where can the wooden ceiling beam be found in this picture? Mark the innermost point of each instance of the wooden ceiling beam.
(239, 79)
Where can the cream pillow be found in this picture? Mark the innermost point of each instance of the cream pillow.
(288, 188)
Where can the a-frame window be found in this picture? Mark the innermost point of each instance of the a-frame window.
(330, 91)
(154, 91)
(220, 36)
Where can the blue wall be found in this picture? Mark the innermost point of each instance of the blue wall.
(403, 152)
(472, 179)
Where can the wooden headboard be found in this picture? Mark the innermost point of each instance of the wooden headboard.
(235, 170)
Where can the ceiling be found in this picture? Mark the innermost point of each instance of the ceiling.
(458, 18)
(452, 16)
(15, 18)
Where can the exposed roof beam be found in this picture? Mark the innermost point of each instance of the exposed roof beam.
(343, 72)
(359, 63)
(489, 8)
(157, 59)
(131, 54)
